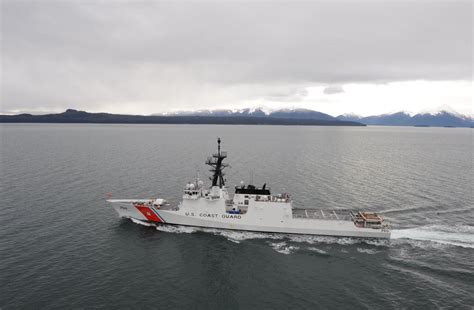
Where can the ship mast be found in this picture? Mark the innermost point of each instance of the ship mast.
(217, 166)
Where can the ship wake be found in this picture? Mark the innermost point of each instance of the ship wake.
(281, 243)
(457, 235)
(432, 235)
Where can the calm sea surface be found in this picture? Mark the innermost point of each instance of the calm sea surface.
(62, 246)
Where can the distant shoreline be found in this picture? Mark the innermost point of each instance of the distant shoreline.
(81, 117)
(281, 117)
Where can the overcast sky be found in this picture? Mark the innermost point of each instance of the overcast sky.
(363, 57)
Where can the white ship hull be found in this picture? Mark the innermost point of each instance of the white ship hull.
(261, 218)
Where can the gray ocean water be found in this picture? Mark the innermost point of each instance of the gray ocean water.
(63, 247)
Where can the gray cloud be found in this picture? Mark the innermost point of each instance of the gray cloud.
(334, 89)
(291, 94)
(161, 55)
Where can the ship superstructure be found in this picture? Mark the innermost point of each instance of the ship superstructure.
(251, 208)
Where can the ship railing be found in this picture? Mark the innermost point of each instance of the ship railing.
(192, 191)
(212, 198)
(320, 214)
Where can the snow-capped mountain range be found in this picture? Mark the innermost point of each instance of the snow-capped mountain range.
(254, 116)
(437, 118)
(258, 112)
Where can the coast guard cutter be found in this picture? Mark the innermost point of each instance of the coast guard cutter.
(251, 208)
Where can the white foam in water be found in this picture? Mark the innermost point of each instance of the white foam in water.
(317, 250)
(461, 235)
(141, 222)
(237, 236)
(176, 229)
(283, 248)
(336, 240)
(367, 251)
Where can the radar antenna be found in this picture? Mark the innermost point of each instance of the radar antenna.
(215, 161)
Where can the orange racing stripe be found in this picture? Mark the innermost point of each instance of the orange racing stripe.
(148, 213)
